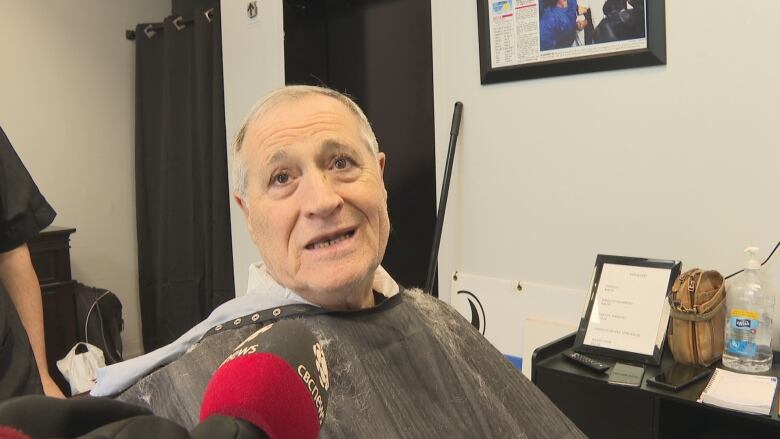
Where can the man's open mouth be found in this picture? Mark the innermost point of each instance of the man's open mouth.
(330, 240)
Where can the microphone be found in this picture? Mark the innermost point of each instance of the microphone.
(276, 379)
(11, 433)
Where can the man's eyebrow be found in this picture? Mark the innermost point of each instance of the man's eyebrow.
(278, 156)
(331, 145)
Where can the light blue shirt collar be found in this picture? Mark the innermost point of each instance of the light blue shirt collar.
(263, 292)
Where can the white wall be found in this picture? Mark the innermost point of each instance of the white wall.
(67, 93)
(253, 65)
(678, 161)
(637, 150)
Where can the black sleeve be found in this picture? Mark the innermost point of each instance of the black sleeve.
(150, 426)
(23, 210)
(43, 417)
(103, 418)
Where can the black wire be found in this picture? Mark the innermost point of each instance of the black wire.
(762, 264)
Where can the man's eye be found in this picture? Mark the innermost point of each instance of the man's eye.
(341, 163)
(281, 178)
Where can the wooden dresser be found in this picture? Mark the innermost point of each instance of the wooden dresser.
(50, 254)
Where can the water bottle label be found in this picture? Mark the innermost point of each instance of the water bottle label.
(743, 324)
(745, 314)
(742, 348)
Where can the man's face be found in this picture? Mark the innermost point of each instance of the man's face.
(316, 204)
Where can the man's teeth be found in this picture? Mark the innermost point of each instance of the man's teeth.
(329, 242)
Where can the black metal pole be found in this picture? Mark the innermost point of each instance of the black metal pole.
(445, 188)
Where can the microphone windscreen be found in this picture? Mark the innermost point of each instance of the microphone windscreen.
(276, 379)
(10, 433)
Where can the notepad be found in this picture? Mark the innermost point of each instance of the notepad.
(740, 391)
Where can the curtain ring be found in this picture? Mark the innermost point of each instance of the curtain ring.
(178, 23)
(149, 31)
(209, 15)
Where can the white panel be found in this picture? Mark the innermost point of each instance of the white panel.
(502, 309)
(253, 65)
(538, 332)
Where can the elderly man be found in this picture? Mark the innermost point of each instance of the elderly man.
(308, 177)
(310, 185)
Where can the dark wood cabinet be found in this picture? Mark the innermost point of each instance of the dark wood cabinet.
(50, 254)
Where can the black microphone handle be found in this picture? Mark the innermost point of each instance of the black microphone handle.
(445, 188)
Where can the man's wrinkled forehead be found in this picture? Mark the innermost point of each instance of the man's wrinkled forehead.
(293, 112)
(285, 121)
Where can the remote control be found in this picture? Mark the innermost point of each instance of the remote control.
(588, 362)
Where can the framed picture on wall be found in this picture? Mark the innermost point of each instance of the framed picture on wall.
(526, 39)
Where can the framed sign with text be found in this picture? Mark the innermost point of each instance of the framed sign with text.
(627, 310)
(525, 39)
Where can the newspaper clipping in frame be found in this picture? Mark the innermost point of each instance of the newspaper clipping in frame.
(534, 31)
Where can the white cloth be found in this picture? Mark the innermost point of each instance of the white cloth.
(579, 38)
(263, 292)
(79, 369)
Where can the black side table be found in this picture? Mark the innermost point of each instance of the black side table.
(603, 410)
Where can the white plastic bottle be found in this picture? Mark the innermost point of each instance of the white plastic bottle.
(750, 307)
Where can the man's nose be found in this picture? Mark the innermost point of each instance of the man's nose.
(320, 196)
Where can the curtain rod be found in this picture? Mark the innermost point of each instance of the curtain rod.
(179, 23)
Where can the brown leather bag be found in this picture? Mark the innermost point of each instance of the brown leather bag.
(698, 317)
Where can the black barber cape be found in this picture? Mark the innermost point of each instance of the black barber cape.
(23, 213)
(409, 367)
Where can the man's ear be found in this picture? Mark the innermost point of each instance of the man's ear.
(381, 158)
(240, 201)
(244, 208)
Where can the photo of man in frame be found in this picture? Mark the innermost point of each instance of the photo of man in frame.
(573, 23)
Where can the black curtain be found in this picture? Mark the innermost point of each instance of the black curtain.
(185, 263)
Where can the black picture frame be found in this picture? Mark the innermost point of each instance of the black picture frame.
(653, 54)
(579, 345)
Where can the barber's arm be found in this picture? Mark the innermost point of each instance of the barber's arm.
(21, 283)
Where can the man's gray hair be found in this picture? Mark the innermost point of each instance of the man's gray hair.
(280, 96)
